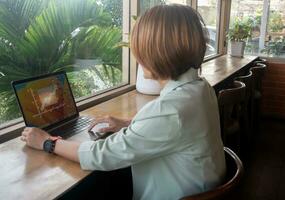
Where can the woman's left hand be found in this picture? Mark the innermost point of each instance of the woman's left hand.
(34, 137)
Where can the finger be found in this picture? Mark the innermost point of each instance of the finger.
(105, 130)
(23, 138)
(25, 132)
(108, 117)
(91, 126)
(28, 130)
(100, 120)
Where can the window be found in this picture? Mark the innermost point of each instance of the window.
(266, 19)
(209, 10)
(79, 36)
(146, 4)
(275, 36)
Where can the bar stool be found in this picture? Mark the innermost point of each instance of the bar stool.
(258, 72)
(246, 113)
(260, 60)
(231, 101)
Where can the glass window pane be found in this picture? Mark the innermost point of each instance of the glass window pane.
(275, 36)
(209, 11)
(146, 4)
(268, 35)
(79, 36)
(248, 12)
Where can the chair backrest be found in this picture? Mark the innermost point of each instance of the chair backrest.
(260, 60)
(230, 101)
(233, 95)
(233, 176)
(231, 106)
(258, 72)
(248, 81)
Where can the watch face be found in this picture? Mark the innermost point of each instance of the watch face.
(48, 146)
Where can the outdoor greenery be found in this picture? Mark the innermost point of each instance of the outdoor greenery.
(275, 22)
(43, 36)
(146, 4)
(275, 47)
(240, 30)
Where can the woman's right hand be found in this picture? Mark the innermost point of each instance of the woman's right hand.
(115, 124)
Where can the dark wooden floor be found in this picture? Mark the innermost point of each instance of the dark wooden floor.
(264, 177)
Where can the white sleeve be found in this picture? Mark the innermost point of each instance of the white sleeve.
(142, 140)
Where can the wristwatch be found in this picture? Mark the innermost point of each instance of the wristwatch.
(49, 144)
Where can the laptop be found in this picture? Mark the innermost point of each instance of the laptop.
(47, 102)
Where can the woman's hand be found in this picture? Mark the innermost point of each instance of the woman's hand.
(115, 124)
(34, 137)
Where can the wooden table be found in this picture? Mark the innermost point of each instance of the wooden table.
(222, 70)
(31, 174)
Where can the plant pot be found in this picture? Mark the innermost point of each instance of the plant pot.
(237, 48)
(146, 86)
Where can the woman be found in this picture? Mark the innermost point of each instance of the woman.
(173, 143)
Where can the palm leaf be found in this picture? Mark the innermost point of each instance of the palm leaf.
(16, 15)
(38, 41)
(96, 42)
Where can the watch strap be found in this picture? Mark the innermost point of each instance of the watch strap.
(49, 144)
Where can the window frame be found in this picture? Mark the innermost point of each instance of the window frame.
(216, 54)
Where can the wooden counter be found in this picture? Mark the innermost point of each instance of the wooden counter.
(31, 174)
(222, 70)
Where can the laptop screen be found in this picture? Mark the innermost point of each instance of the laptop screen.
(46, 100)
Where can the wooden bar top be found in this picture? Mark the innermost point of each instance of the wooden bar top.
(31, 174)
(219, 69)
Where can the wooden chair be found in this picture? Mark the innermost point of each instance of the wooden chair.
(233, 177)
(260, 60)
(258, 72)
(231, 102)
(247, 113)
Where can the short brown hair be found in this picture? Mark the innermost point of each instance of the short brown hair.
(168, 40)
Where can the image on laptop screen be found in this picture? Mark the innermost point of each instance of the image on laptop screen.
(45, 101)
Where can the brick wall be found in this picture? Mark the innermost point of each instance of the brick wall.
(273, 101)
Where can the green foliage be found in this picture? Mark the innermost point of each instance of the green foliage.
(17, 15)
(87, 81)
(39, 37)
(95, 42)
(8, 107)
(146, 4)
(240, 30)
(252, 21)
(275, 21)
(115, 9)
(275, 48)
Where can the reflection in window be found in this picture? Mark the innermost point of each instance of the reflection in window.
(209, 11)
(79, 36)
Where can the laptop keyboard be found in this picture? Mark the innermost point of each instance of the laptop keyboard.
(73, 127)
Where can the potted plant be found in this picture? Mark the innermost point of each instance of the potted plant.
(238, 33)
